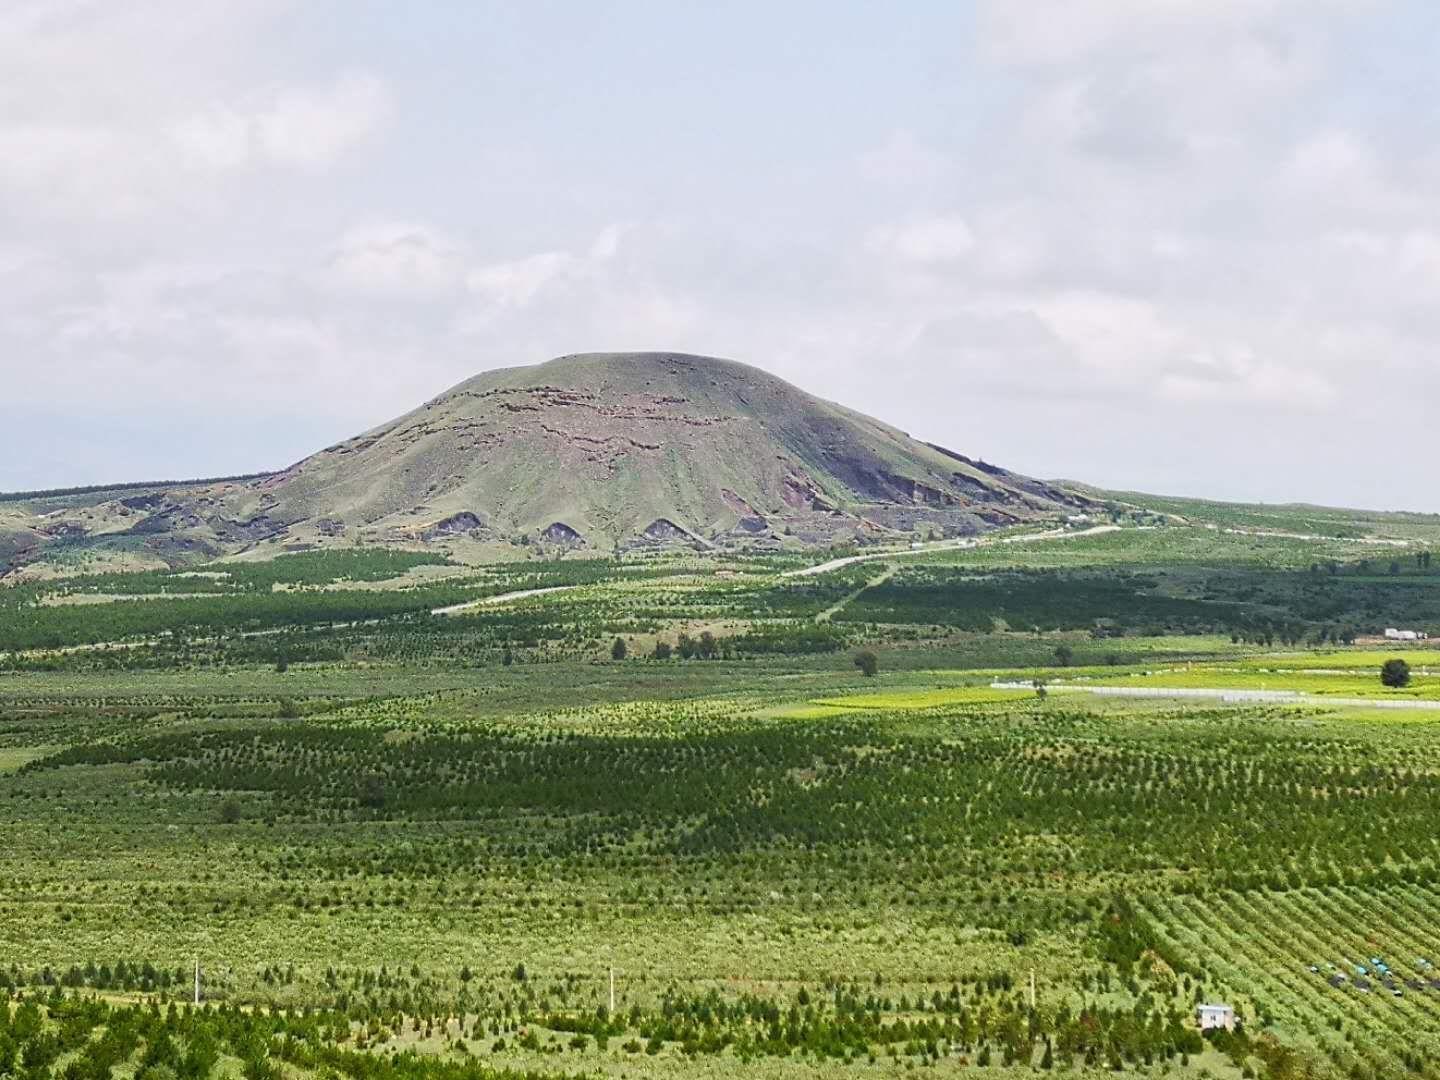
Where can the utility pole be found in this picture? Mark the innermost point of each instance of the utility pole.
(612, 991)
(197, 982)
(1032, 989)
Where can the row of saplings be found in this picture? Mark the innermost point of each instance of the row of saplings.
(1394, 673)
(95, 1038)
(1240, 815)
(706, 647)
(778, 640)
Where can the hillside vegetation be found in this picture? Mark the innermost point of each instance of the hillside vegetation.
(593, 453)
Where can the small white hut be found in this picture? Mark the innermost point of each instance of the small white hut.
(1211, 1017)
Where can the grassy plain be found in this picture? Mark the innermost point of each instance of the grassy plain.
(406, 844)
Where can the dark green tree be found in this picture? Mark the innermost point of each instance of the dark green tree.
(867, 662)
(372, 793)
(1395, 673)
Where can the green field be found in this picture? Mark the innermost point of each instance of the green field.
(405, 844)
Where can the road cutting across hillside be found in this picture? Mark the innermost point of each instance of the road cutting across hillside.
(948, 545)
(503, 598)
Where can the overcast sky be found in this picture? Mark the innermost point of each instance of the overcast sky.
(1186, 246)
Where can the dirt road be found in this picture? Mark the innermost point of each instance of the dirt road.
(503, 598)
(949, 545)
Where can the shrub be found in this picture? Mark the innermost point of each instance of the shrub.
(372, 793)
(867, 662)
(1395, 673)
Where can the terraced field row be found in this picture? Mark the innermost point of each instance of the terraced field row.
(1298, 957)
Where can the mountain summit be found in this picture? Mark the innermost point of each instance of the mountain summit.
(599, 449)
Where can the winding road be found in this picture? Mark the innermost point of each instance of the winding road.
(949, 545)
(503, 598)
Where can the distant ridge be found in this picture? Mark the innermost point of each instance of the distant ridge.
(137, 485)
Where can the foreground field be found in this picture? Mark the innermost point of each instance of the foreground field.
(768, 888)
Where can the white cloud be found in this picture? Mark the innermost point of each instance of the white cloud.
(1044, 32)
(606, 244)
(300, 127)
(1109, 331)
(903, 161)
(1014, 242)
(930, 240)
(967, 345)
(397, 259)
(309, 128)
(88, 92)
(36, 157)
(516, 283)
(220, 139)
(100, 172)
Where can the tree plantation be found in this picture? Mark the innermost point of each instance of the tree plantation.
(669, 815)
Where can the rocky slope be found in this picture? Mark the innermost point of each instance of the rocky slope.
(595, 452)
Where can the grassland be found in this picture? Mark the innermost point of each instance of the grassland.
(403, 844)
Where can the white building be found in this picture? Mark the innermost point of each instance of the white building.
(1391, 634)
(1211, 1017)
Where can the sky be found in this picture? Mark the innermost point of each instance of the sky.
(1180, 246)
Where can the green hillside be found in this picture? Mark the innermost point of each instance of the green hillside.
(595, 452)
(619, 448)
